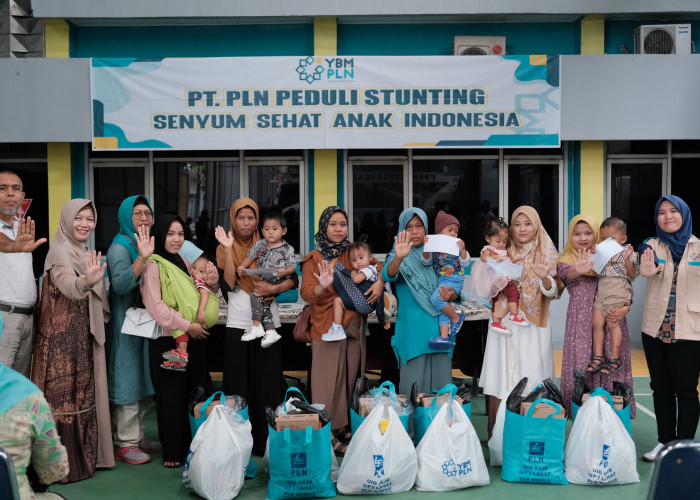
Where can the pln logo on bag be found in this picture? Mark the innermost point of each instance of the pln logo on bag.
(298, 464)
(603, 474)
(378, 465)
(452, 469)
(536, 451)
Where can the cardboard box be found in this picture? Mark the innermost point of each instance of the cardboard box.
(617, 401)
(366, 403)
(426, 399)
(542, 410)
(298, 422)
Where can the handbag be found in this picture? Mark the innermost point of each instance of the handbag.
(302, 328)
(140, 323)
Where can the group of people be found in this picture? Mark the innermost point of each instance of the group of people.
(97, 382)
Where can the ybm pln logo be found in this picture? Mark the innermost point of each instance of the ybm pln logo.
(312, 69)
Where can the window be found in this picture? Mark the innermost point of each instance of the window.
(465, 188)
(377, 200)
(275, 186)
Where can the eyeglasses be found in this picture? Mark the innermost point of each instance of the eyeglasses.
(139, 213)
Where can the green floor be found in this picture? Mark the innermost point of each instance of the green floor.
(154, 481)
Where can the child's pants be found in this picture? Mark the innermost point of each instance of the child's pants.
(260, 309)
(510, 291)
(456, 282)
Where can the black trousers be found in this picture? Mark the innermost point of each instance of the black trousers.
(256, 374)
(674, 370)
(173, 390)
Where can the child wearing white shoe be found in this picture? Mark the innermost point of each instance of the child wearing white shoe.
(269, 252)
(363, 274)
(496, 235)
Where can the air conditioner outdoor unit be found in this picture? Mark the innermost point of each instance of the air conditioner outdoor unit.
(479, 46)
(662, 39)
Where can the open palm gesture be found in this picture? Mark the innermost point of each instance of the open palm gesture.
(226, 239)
(402, 245)
(540, 266)
(146, 244)
(583, 263)
(95, 271)
(325, 275)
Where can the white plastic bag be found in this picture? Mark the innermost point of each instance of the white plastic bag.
(599, 449)
(378, 463)
(450, 456)
(219, 455)
(496, 441)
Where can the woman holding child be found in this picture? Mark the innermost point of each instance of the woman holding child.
(671, 322)
(575, 271)
(335, 365)
(165, 284)
(250, 370)
(528, 351)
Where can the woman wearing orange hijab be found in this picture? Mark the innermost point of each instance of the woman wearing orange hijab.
(249, 370)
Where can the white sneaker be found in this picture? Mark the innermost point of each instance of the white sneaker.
(255, 332)
(650, 456)
(271, 336)
(336, 332)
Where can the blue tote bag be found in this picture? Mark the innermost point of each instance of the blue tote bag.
(624, 414)
(356, 420)
(300, 462)
(533, 448)
(196, 422)
(424, 415)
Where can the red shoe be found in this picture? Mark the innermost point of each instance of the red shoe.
(497, 327)
(131, 455)
(518, 320)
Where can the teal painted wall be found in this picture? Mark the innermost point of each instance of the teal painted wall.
(192, 41)
(618, 33)
(436, 39)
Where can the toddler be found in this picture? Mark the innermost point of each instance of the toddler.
(269, 252)
(176, 359)
(496, 235)
(364, 275)
(450, 271)
(614, 290)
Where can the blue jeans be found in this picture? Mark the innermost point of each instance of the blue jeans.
(456, 282)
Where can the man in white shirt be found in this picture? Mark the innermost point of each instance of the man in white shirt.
(18, 288)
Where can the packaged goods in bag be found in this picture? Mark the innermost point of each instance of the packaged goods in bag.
(533, 447)
(428, 405)
(496, 441)
(362, 403)
(300, 462)
(380, 458)
(620, 401)
(219, 455)
(449, 455)
(600, 451)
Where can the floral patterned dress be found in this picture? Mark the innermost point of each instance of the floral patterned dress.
(578, 339)
(28, 434)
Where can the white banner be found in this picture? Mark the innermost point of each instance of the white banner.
(326, 102)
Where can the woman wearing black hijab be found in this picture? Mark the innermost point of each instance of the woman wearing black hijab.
(172, 387)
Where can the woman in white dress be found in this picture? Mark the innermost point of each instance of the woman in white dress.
(527, 352)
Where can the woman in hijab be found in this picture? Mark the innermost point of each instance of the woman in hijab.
(249, 370)
(69, 356)
(28, 432)
(528, 352)
(671, 322)
(128, 378)
(169, 295)
(575, 270)
(335, 366)
(416, 318)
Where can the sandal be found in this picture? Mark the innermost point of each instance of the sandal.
(172, 464)
(173, 365)
(611, 366)
(343, 435)
(339, 447)
(596, 364)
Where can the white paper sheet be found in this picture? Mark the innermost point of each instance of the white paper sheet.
(507, 269)
(442, 243)
(604, 252)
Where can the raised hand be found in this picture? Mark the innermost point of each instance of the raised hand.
(627, 252)
(646, 264)
(26, 237)
(402, 245)
(146, 244)
(540, 267)
(226, 239)
(94, 270)
(325, 275)
(212, 274)
(583, 264)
